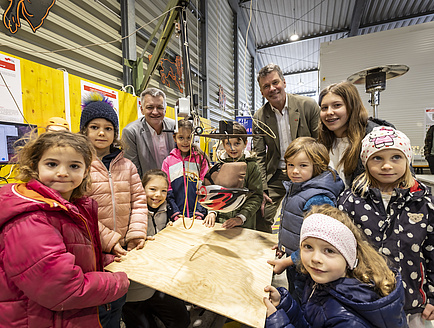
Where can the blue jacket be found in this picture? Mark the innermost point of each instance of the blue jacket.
(322, 189)
(344, 303)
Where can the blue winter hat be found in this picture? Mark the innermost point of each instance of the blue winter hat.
(98, 106)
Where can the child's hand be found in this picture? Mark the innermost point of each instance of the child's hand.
(118, 251)
(209, 221)
(279, 253)
(272, 301)
(233, 222)
(281, 264)
(428, 312)
(169, 224)
(137, 243)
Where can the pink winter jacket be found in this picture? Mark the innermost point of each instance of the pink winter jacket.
(51, 261)
(122, 209)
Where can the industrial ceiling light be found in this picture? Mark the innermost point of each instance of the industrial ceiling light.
(294, 36)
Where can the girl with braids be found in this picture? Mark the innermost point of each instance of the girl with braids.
(185, 167)
(349, 283)
(344, 123)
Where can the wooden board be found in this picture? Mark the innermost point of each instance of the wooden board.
(224, 271)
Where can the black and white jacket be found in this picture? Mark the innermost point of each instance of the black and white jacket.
(403, 232)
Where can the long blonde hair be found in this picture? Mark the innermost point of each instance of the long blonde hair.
(365, 180)
(371, 268)
(356, 124)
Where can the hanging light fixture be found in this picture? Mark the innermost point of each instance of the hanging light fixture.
(295, 36)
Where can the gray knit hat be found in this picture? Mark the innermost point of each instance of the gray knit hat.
(98, 106)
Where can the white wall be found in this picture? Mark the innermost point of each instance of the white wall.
(406, 97)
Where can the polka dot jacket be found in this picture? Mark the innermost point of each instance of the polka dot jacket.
(403, 233)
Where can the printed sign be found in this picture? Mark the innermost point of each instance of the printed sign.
(112, 95)
(10, 89)
(245, 121)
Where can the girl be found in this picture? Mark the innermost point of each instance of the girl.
(312, 182)
(395, 212)
(349, 283)
(234, 151)
(344, 123)
(185, 166)
(52, 264)
(143, 303)
(116, 187)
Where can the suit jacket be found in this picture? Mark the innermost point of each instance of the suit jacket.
(304, 118)
(139, 147)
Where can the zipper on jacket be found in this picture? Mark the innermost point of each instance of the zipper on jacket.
(313, 291)
(112, 191)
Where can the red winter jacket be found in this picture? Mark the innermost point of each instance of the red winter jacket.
(51, 261)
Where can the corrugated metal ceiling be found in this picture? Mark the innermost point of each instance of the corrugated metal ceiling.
(315, 21)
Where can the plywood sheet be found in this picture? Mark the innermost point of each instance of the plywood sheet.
(224, 271)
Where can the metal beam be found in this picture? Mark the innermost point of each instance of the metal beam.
(356, 18)
(320, 35)
(242, 25)
(128, 26)
(301, 71)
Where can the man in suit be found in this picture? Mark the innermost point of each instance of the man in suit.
(283, 118)
(146, 143)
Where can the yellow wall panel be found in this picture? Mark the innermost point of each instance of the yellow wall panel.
(43, 93)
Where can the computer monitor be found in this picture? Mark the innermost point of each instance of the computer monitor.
(9, 133)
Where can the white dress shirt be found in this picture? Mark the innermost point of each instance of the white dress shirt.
(284, 132)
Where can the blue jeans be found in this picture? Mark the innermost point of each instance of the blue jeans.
(110, 314)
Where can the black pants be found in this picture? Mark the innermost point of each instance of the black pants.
(170, 310)
(276, 191)
(430, 160)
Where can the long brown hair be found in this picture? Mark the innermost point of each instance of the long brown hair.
(356, 124)
(372, 267)
(31, 153)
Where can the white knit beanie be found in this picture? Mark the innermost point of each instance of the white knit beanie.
(385, 137)
(332, 231)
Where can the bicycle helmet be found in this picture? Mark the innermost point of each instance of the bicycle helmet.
(218, 198)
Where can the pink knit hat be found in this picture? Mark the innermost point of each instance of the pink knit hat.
(332, 231)
(385, 137)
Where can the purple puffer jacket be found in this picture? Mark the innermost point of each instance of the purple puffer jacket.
(51, 261)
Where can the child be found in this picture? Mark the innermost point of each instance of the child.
(349, 283)
(234, 151)
(396, 213)
(186, 167)
(51, 261)
(116, 187)
(144, 302)
(312, 182)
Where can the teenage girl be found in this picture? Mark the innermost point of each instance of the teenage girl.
(116, 187)
(348, 285)
(51, 260)
(312, 182)
(185, 167)
(344, 123)
(396, 213)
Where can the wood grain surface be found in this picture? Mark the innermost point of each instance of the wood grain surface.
(224, 271)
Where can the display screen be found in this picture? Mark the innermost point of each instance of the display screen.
(10, 132)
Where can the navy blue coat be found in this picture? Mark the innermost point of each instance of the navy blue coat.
(345, 303)
(299, 197)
